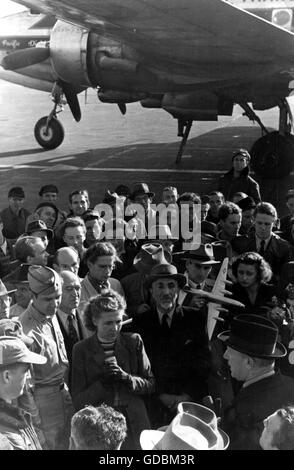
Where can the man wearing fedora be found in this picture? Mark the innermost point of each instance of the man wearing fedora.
(137, 295)
(38, 228)
(199, 264)
(252, 349)
(176, 344)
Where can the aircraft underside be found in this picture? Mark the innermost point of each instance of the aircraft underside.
(77, 59)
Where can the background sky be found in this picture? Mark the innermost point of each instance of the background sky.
(8, 7)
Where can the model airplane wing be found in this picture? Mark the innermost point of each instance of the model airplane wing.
(216, 298)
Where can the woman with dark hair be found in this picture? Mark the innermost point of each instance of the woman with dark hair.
(252, 274)
(112, 367)
(238, 179)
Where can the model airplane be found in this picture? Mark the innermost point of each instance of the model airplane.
(195, 59)
(216, 298)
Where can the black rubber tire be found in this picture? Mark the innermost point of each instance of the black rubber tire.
(55, 133)
(272, 155)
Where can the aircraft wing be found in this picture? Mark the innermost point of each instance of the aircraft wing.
(200, 40)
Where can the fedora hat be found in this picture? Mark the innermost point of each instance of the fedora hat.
(185, 432)
(139, 189)
(203, 255)
(209, 417)
(150, 255)
(3, 290)
(37, 226)
(19, 275)
(255, 336)
(165, 270)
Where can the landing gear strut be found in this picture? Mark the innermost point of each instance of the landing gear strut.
(184, 128)
(49, 132)
(272, 154)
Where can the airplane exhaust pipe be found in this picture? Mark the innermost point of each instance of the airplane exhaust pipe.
(25, 58)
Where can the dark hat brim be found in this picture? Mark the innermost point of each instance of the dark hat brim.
(145, 268)
(47, 230)
(180, 278)
(199, 260)
(279, 351)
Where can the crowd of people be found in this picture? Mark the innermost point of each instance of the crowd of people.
(104, 339)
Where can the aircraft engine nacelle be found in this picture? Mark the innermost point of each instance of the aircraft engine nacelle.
(68, 53)
(201, 106)
(86, 59)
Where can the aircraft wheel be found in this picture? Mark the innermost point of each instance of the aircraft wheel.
(272, 154)
(53, 137)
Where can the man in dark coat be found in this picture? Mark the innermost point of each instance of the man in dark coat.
(176, 343)
(68, 316)
(252, 348)
(238, 179)
(263, 240)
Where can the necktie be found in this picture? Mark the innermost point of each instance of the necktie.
(72, 332)
(262, 248)
(164, 325)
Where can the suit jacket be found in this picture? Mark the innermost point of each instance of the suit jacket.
(181, 360)
(82, 332)
(92, 386)
(243, 419)
(135, 291)
(277, 253)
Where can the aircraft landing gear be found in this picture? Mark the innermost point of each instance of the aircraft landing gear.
(184, 128)
(49, 132)
(272, 154)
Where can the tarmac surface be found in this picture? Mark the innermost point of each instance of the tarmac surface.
(106, 149)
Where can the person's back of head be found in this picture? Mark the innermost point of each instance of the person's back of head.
(97, 428)
(24, 248)
(278, 432)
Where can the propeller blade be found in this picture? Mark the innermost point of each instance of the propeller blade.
(122, 108)
(72, 100)
(25, 58)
